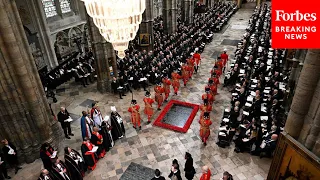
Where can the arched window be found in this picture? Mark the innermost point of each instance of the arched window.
(49, 8)
(65, 6)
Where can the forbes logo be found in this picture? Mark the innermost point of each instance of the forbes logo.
(296, 16)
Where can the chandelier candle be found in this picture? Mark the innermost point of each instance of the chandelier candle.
(117, 20)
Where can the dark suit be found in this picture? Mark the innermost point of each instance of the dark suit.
(12, 159)
(65, 125)
(3, 169)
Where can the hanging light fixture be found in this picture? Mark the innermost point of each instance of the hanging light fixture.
(117, 20)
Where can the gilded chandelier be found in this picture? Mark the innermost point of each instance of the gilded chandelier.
(117, 20)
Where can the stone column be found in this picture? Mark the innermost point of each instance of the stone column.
(293, 72)
(112, 58)
(100, 51)
(25, 117)
(316, 147)
(307, 83)
(187, 11)
(40, 22)
(311, 127)
(146, 26)
(170, 16)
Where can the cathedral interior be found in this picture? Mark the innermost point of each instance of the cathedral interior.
(53, 56)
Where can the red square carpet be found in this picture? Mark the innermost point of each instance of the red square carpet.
(177, 116)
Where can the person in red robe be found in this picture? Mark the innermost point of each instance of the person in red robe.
(197, 59)
(205, 123)
(206, 173)
(158, 95)
(166, 86)
(89, 157)
(205, 107)
(207, 95)
(175, 81)
(148, 110)
(185, 74)
(97, 140)
(224, 56)
(213, 87)
(135, 114)
(214, 78)
(190, 66)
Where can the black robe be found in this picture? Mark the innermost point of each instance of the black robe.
(96, 141)
(107, 139)
(44, 155)
(50, 176)
(88, 159)
(55, 172)
(117, 129)
(76, 169)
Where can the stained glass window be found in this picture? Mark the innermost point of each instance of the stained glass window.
(49, 8)
(65, 6)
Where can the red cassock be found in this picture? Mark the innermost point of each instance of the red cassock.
(99, 141)
(175, 81)
(197, 58)
(206, 176)
(89, 147)
(224, 58)
(215, 80)
(209, 97)
(158, 95)
(191, 66)
(148, 110)
(204, 128)
(135, 115)
(185, 74)
(205, 108)
(213, 89)
(166, 85)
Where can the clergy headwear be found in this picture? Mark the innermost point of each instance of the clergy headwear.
(147, 94)
(93, 104)
(206, 115)
(210, 81)
(133, 101)
(113, 108)
(205, 101)
(207, 89)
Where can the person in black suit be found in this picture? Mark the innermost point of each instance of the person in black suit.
(3, 169)
(10, 154)
(268, 146)
(188, 167)
(62, 116)
(115, 84)
(157, 176)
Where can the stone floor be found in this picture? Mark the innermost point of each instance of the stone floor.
(154, 147)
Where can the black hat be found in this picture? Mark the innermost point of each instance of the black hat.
(93, 104)
(147, 94)
(205, 101)
(133, 101)
(213, 73)
(210, 81)
(206, 115)
(207, 89)
(215, 67)
(159, 83)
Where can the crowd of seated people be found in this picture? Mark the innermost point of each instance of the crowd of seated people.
(80, 67)
(256, 117)
(171, 51)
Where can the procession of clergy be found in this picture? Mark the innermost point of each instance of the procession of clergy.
(100, 133)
